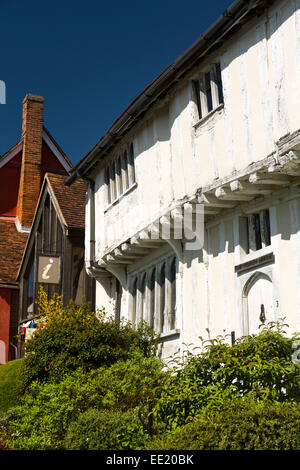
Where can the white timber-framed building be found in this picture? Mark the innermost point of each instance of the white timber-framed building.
(217, 136)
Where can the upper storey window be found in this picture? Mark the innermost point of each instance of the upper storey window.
(120, 175)
(208, 90)
(255, 232)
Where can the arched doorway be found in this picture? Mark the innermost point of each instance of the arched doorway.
(258, 303)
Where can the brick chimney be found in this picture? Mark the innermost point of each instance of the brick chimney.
(30, 178)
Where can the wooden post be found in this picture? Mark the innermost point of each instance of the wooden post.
(67, 274)
(37, 250)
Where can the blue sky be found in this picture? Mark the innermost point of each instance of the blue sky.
(89, 59)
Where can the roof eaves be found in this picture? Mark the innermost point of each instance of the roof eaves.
(56, 203)
(11, 153)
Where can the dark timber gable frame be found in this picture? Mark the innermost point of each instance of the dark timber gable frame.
(57, 231)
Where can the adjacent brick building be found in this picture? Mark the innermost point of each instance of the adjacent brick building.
(22, 171)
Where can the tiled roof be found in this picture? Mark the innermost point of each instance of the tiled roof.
(71, 200)
(12, 244)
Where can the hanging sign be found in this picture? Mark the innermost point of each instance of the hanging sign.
(48, 269)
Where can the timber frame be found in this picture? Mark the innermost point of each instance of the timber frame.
(50, 235)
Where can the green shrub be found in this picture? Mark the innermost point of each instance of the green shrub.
(48, 407)
(260, 365)
(6, 428)
(75, 337)
(242, 424)
(10, 383)
(105, 430)
(128, 384)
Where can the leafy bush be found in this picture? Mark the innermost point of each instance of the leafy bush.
(260, 365)
(128, 384)
(242, 424)
(10, 384)
(48, 407)
(6, 428)
(75, 337)
(105, 430)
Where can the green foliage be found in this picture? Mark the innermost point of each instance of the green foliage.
(10, 384)
(86, 378)
(259, 366)
(128, 384)
(75, 337)
(6, 429)
(105, 430)
(48, 407)
(242, 424)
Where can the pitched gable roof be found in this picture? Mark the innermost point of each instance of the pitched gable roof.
(70, 200)
(52, 144)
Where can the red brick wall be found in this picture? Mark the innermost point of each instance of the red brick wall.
(5, 299)
(30, 181)
(9, 186)
(13, 324)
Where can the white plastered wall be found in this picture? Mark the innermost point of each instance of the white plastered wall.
(175, 155)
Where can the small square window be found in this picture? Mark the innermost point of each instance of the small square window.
(208, 90)
(255, 232)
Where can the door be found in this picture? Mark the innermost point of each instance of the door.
(260, 303)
